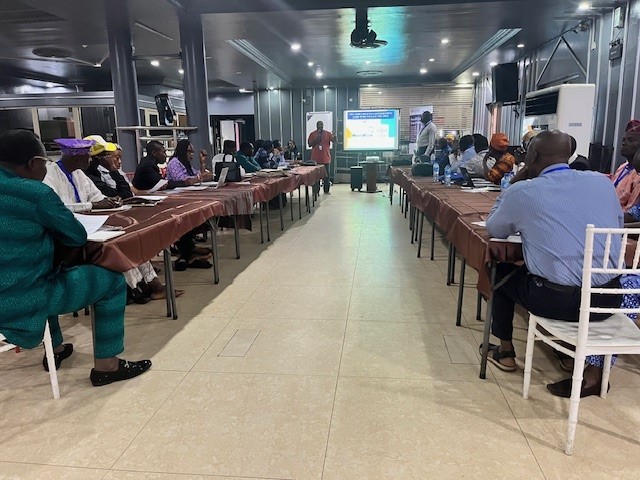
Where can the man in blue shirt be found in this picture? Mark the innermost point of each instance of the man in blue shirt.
(550, 209)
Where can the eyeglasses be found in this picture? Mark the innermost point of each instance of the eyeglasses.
(47, 160)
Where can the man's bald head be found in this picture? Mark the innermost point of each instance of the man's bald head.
(547, 148)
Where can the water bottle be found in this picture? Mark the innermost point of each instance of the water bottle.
(506, 181)
(436, 172)
(447, 176)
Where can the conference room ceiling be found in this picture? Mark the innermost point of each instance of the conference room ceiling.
(248, 42)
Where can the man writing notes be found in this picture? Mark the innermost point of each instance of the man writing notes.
(320, 143)
(32, 220)
(551, 209)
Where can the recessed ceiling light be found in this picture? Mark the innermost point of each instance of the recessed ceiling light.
(520, 45)
(84, 45)
(181, 71)
(493, 64)
(432, 59)
(49, 85)
(584, 6)
(325, 86)
(379, 93)
(97, 65)
(367, 62)
(244, 90)
(444, 41)
(271, 88)
(370, 85)
(423, 71)
(238, 73)
(155, 63)
(296, 47)
(319, 73)
(309, 64)
(476, 74)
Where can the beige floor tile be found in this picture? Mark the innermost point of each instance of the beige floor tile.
(238, 425)
(123, 475)
(283, 346)
(429, 430)
(607, 433)
(393, 304)
(298, 302)
(386, 273)
(402, 350)
(291, 272)
(86, 427)
(30, 471)
(329, 253)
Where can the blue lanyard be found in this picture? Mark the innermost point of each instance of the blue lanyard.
(70, 178)
(562, 167)
(624, 173)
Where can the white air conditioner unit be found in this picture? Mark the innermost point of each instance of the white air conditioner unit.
(565, 107)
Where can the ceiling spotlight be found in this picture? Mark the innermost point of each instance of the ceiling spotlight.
(271, 88)
(520, 45)
(238, 73)
(181, 71)
(423, 71)
(84, 45)
(49, 85)
(296, 47)
(432, 59)
(155, 63)
(309, 64)
(493, 64)
(367, 62)
(244, 90)
(97, 65)
(325, 86)
(444, 41)
(379, 93)
(476, 74)
(370, 85)
(319, 73)
(584, 6)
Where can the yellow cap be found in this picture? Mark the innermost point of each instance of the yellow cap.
(101, 145)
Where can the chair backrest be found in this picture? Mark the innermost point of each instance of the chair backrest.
(629, 249)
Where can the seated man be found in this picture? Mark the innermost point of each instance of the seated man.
(228, 148)
(67, 178)
(551, 218)
(475, 166)
(577, 161)
(146, 177)
(32, 219)
(245, 158)
(103, 171)
(468, 152)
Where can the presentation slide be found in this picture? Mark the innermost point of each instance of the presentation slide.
(371, 129)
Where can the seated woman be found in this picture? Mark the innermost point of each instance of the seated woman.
(32, 220)
(291, 151)
(179, 168)
(498, 162)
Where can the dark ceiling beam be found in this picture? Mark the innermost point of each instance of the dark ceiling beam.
(207, 6)
(22, 73)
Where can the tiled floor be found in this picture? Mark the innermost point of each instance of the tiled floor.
(330, 352)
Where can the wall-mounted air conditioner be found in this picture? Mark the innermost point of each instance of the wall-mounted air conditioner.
(564, 107)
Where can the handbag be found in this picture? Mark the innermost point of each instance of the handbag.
(422, 170)
(233, 175)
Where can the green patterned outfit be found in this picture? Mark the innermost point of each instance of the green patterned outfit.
(32, 218)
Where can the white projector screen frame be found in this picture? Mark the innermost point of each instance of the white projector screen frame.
(371, 130)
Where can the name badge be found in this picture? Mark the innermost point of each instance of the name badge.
(320, 147)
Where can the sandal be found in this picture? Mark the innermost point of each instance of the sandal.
(494, 355)
(180, 265)
(202, 251)
(163, 294)
(199, 263)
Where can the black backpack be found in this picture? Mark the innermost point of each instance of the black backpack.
(422, 170)
(233, 175)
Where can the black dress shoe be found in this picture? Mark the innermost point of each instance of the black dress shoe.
(125, 371)
(563, 389)
(137, 296)
(58, 357)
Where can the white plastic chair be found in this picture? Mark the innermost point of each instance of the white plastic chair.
(48, 348)
(617, 334)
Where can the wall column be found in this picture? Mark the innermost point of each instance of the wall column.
(195, 82)
(123, 78)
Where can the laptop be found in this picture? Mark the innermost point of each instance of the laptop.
(469, 182)
(222, 177)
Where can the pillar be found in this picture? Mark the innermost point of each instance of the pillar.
(123, 78)
(195, 84)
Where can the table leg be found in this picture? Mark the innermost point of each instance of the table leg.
(406, 203)
(401, 195)
(420, 228)
(433, 240)
(281, 208)
(213, 225)
(307, 201)
(479, 307)
(299, 204)
(391, 192)
(463, 266)
(452, 267)
(266, 215)
(449, 265)
(487, 324)
(260, 215)
(236, 235)
(411, 215)
(417, 225)
(167, 283)
(168, 274)
(291, 202)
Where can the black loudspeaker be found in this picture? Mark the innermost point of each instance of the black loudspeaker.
(165, 110)
(505, 83)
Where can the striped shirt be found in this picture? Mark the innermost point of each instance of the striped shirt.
(551, 213)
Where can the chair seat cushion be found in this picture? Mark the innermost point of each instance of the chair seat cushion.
(616, 331)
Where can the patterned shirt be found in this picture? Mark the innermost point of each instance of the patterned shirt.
(177, 172)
